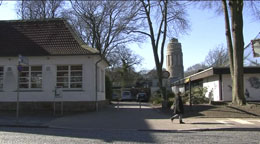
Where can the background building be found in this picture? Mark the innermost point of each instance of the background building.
(174, 60)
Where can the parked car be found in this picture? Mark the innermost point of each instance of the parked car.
(142, 97)
(115, 96)
(126, 96)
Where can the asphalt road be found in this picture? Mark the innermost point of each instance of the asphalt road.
(10, 135)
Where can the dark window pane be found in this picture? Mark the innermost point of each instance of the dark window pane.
(63, 85)
(24, 80)
(36, 79)
(76, 85)
(25, 68)
(76, 79)
(76, 67)
(76, 73)
(24, 74)
(62, 68)
(1, 68)
(36, 68)
(62, 79)
(62, 74)
(36, 85)
(24, 85)
(36, 74)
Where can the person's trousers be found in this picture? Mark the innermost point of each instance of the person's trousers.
(177, 115)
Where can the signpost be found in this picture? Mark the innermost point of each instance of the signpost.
(21, 61)
(165, 75)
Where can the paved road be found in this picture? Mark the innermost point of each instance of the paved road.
(129, 116)
(65, 136)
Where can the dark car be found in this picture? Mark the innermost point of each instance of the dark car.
(142, 97)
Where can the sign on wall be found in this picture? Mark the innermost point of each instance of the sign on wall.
(256, 47)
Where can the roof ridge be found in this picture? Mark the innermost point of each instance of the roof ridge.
(34, 20)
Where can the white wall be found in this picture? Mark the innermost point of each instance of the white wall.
(212, 85)
(46, 93)
(251, 84)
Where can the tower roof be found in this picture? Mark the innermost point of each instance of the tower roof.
(174, 40)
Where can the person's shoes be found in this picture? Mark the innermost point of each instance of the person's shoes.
(172, 119)
(182, 122)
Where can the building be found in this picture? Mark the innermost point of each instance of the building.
(58, 58)
(174, 60)
(217, 81)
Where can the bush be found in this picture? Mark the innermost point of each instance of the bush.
(198, 95)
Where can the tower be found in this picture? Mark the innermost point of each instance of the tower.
(174, 60)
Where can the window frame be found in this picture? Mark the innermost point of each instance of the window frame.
(69, 76)
(29, 77)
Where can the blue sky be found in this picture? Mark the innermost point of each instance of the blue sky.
(207, 32)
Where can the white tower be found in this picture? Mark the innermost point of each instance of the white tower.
(174, 60)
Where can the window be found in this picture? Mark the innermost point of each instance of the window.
(30, 77)
(69, 76)
(1, 77)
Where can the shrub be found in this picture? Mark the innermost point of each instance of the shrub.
(198, 95)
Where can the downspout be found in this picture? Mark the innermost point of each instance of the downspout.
(96, 102)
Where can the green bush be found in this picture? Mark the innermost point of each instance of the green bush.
(198, 95)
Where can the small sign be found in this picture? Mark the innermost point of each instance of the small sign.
(58, 92)
(256, 47)
(23, 60)
(165, 74)
(20, 68)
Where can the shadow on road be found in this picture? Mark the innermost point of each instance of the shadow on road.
(109, 124)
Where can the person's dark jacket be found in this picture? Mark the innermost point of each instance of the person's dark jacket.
(178, 105)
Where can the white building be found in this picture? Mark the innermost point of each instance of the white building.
(57, 58)
(218, 83)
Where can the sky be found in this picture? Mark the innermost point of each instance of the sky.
(207, 32)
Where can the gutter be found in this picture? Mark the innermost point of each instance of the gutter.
(96, 102)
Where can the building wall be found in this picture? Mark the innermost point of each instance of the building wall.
(212, 85)
(251, 85)
(46, 93)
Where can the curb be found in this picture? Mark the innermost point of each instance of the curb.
(24, 125)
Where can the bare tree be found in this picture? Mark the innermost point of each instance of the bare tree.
(104, 24)
(125, 60)
(194, 69)
(217, 57)
(162, 18)
(40, 9)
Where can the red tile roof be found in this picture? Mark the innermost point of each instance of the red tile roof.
(40, 38)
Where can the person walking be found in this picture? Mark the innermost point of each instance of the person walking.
(178, 108)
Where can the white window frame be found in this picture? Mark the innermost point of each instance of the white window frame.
(1, 78)
(30, 78)
(69, 77)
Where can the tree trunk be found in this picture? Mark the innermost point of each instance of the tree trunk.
(236, 8)
(228, 37)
